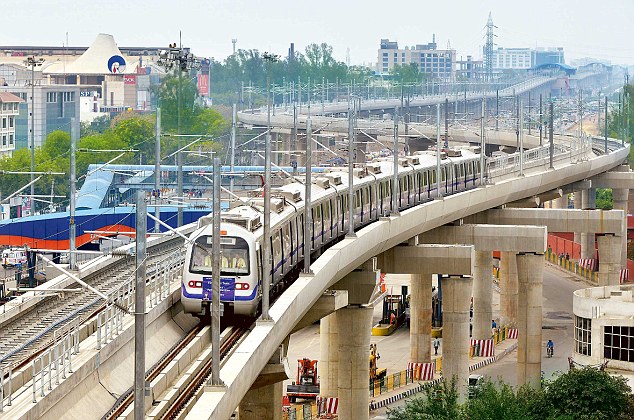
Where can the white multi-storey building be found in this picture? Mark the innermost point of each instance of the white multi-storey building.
(9, 110)
(435, 63)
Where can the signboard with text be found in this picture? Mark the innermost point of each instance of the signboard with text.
(227, 289)
(129, 79)
(203, 84)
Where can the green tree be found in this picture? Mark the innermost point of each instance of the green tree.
(406, 75)
(440, 402)
(604, 199)
(587, 393)
(169, 92)
(500, 401)
(137, 132)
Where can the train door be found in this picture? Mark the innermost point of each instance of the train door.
(294, 248)
(357, 209)
(373, 203)
(286, 248)
(300, 237)
(317, 226)
(276, 246)
(327, 216)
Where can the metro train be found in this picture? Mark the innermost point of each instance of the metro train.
(242, 231)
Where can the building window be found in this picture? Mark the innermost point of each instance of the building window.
(10, 139)
(69, 96)
(4, 139)
(4, 122)
(618, 343)
(583, 336)
(51, 97)
(11, 121)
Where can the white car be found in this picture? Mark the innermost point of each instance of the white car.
(475, 381)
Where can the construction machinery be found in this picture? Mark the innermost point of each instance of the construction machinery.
(375, 373)
(307, 383)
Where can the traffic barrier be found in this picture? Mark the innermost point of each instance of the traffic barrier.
(420, 371)
(624, 275)
(327, 405)
(482, 348)
(589, 264)
(512, 333)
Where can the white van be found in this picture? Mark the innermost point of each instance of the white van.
(13, 257)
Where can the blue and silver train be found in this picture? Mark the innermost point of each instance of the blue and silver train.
(242, 231)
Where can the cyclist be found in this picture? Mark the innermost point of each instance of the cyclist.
(550, 348)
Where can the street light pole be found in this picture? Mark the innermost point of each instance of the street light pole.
(31, 61)
(182, 60)
(266, 252)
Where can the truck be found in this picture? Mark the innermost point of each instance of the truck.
(307, 383)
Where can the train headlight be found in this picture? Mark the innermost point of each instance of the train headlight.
(242, 286)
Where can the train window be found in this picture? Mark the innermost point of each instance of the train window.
(433, 177)
(234, 257)
(357, 199)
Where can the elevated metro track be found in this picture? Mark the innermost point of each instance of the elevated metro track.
(243, 367)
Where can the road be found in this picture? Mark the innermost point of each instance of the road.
(558, 325)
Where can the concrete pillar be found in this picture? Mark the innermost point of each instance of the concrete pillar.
(620, 197)
(508, 288)
(262, 403)
(530, 270)
(456, 292)
(588, 202)
(560, 203)
(354, 367)
(482, 295)
(420, 318)
(577, 202)
(609, 259)
(328, 355)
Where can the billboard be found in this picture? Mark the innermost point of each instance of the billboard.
(129, 79)
(203, 84)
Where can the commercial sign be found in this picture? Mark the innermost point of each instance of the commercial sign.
(129, 79)
(203, 84)
(116, 64)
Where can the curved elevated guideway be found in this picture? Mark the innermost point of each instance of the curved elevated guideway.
(573, 163)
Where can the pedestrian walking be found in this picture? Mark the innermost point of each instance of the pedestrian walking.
(436, 345)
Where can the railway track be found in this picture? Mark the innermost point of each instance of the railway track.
(189, 389)
(26, 336)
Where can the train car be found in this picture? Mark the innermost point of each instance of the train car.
(242, 231)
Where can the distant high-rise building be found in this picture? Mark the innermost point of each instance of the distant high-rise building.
(429, 60)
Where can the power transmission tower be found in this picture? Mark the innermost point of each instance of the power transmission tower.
(488, 49)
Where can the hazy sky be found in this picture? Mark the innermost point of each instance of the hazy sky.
(601, 29)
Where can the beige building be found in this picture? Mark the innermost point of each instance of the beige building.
(604, 326)
(9, 110)
(437, 64)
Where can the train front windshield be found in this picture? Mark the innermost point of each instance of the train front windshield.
(234, 256)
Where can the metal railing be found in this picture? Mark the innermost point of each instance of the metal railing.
(46, 369)
(121, 300)
(56, 361)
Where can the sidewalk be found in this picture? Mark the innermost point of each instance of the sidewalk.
(501, 349)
